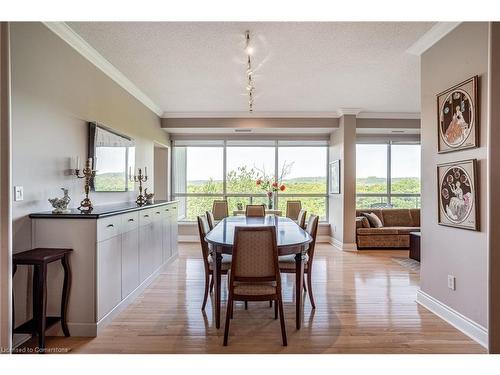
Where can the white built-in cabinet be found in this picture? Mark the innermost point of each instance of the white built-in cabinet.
(114, 258)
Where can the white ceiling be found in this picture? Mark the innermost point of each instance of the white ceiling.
(190, 67)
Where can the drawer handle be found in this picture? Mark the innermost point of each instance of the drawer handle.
(130, 220)
(158, 212)
(166, 210)
(146, 215)
(110, 226)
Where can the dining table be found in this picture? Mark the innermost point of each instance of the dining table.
(290, 238)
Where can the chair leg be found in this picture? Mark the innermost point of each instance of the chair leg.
(205, 297)
(246, 305)
(229, 313)
(275, 309)
(212, 284)
(270, 303)
(282, 320)
(309, 286)
(305, 289)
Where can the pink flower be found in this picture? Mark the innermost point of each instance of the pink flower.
(275, 184)
(269, 194)
(282, 187)
(259, 181)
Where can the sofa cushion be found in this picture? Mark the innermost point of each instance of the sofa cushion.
(374, 220)
(362, 222)
(377, 231)
(415, 217)
(397, 218)
(406, 230)
(376, 211)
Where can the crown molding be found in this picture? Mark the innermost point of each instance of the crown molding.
(245, 114)
(87, 51)
(431, 37)
(390, 115)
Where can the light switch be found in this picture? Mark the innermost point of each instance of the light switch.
(18, 193)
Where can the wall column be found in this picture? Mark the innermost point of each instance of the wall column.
(5, 192)
(342, 206)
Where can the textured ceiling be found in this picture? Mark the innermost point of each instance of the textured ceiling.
(301, 67)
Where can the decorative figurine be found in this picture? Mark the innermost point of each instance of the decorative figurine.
(149, 196)
(61, 204)
(88, 173)
(239, 206)
(140, 178)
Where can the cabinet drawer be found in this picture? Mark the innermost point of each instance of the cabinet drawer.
(108, 227)
(146, 216)
(130, 221)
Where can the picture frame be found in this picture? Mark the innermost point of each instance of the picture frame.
(458, 116)
(457, 194)
(334, 184)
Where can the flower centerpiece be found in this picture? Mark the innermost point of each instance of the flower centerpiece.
(270, 187)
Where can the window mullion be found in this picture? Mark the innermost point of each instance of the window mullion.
(224, 170)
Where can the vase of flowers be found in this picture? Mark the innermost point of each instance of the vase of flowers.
(270, 188)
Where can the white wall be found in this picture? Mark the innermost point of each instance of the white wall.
(55, 92)
(449, 251)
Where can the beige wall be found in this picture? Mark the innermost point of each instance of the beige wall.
(450, 251)
(55, 92)
(494, 183)
(5, 196)
(161, 172)
(342, 207)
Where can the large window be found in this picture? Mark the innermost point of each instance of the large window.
(208, 170)
(388, 175)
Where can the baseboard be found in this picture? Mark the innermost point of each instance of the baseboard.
(323, 239)
(188, 238)
(475, 331)
(19, 339)
(343, 246)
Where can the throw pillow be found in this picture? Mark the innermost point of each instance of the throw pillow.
(374, 220)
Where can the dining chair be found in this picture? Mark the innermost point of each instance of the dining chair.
(255, 210)
(208, 260)
(220, 209)
(301, 219)
(293, 209)
(287, 262)
(254, 274)
(210, 219)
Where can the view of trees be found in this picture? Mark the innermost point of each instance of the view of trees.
(377, 185)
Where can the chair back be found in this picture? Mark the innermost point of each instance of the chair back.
(301, 219)
(255, 254)
(255, 210)
(293, 209)
(210, 219)
(203, 229)
(220, 209)
(312, 229)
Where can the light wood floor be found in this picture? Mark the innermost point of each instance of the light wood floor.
(365, 303)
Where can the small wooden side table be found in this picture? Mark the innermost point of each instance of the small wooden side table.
(415, 246)
(39, 259)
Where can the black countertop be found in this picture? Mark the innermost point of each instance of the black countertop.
(99, 211)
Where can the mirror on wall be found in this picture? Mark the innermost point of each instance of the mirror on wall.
(114, 158)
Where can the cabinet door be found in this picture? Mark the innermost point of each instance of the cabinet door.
(173, 229)
(109, 289)
(130, 261)
(145, 251)
(167, 246)
(157, 239)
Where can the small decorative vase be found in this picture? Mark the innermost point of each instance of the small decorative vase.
(60, 205)
(239, 206)
(270, 202)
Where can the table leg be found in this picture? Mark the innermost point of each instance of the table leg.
(40, 303)
(65, 294)
(217, 287)
(299, 284)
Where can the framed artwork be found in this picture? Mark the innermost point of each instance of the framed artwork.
(335, 177)
(458, 117)
(457, 186)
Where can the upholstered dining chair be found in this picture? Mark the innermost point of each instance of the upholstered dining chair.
(210, 219)
(292, 209)
(220, 209)
(287, 262)
(208, 260)
(255, 210)
(301, 219)
(254, 274)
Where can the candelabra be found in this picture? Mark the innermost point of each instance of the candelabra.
(88, 173)
(140, 178)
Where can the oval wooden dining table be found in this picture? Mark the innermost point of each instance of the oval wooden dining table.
(291, 239)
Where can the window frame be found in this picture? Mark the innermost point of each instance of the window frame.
(388, 195)
(254, 143)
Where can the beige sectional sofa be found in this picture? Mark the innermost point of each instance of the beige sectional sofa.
(395, 233)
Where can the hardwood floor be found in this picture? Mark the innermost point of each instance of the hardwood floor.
(365, 304)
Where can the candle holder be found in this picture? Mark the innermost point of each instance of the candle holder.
(88, 173)
(140, 178)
